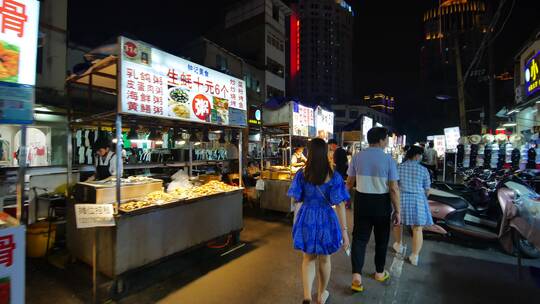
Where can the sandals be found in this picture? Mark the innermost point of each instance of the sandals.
(325, 299)
(385, 278)
(357, 287)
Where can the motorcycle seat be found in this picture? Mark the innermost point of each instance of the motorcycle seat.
(455, 202)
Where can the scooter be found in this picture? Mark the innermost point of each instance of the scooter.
(452, 216)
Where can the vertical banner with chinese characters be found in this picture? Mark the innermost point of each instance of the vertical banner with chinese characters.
(19, 21)
(324, 123)
(12, 257)
(155, 83)
(303, 120)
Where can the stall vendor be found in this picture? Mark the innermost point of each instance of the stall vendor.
(298, 158)
(105, 161)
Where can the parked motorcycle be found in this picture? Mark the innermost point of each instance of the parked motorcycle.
(454, 215)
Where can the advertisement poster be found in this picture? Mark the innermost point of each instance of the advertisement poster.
(367, 124)
(303, 120)
(18, 53)
(155, 83)
(324, 123)
(12, 259)
(452, 136)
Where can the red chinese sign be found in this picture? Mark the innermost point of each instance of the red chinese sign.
(201, 107)
(6, 250)
(13, 17)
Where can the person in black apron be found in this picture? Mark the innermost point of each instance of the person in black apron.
(105, 161)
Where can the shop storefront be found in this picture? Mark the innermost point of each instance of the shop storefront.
(523, 117)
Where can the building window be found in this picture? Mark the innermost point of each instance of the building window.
(275, 42)
(273, 92)
(222, 63)
(275, 12)
(274, 67)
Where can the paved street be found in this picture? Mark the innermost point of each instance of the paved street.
(267, 270)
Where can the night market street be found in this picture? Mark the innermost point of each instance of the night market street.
(270, 152)
(267, 270)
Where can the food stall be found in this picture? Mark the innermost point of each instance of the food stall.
(191, 104)
(291, 123)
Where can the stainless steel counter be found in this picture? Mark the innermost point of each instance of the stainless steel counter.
(274, 196)
(142, 238)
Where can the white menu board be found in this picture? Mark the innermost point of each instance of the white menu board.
(303, 119)
(155, 83)
(439, 144)
(452, 136)
(324, 123)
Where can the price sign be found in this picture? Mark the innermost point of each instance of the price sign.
(94, 215)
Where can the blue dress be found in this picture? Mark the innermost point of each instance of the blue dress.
(414, 180)
(317, 229)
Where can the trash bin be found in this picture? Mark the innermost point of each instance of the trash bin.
(36, 239)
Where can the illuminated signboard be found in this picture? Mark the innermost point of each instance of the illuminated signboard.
(439, 144)
(532, 77)
(254, 117)
(324, 123)
(18, 41)
(367, 124)
(155, 83)
(18, 54)
(303, 120)
(452, 137)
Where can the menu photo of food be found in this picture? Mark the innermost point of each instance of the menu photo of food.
(9, 62)
(220, 111)
(179, 102)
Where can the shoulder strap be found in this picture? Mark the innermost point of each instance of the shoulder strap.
(325, 198)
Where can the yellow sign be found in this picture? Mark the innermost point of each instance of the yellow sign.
(532, 79)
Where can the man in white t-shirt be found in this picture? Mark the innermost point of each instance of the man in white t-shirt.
(430, 160)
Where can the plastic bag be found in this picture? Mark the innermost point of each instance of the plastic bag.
(179, 180)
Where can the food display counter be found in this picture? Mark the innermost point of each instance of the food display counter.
(153, 225)
(277, 181)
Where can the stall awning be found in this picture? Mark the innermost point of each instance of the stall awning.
(101, 75)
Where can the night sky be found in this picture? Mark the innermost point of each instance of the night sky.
(388, 37)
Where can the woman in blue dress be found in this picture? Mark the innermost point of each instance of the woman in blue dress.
(414, 184)
(319, 231)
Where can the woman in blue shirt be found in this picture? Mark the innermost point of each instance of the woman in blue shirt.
(414, 184)
(317, 231)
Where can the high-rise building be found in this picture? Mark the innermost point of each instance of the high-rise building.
(381, 103)
(255, 30)
(454, 27)
(320, 51)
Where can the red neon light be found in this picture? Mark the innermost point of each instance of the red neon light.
(294, 43)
